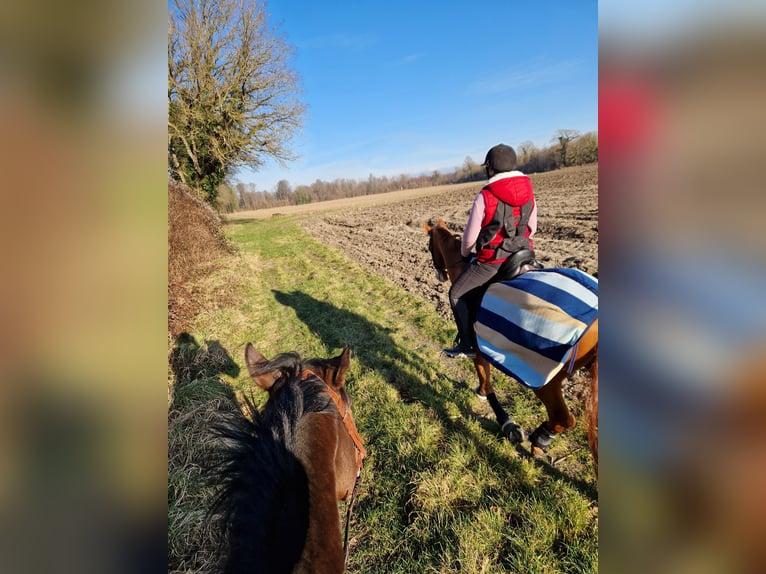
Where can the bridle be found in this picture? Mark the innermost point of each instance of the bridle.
(359, 451)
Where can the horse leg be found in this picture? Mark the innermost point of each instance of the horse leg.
(483, 369)
(512, 431)
(559, 417)
(592, 414)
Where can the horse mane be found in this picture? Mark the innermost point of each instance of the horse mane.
(442, 228)
(263, 498)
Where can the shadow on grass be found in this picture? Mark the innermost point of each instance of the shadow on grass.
(198, 397)
(375, 349)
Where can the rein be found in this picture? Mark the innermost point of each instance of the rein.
(359, 451)
(448, 265)
(348, 422)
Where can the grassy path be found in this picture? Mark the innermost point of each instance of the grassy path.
(440, 491)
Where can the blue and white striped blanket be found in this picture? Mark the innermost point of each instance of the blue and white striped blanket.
(528, 326)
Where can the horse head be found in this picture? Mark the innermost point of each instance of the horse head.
(444, 246)
(304, 446)
(270, 375)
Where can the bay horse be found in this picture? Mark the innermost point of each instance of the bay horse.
(444, 246)
(283, 473)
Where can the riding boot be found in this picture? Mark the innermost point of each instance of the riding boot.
(462, 312)
(465, 346)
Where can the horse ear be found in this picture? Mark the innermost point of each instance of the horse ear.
(427, 227)
(441, 223)
(255, 361)
(343, 363)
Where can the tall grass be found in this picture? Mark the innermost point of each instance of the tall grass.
(441, 491)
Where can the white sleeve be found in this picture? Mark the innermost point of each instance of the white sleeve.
(532, 223)
(473, 227)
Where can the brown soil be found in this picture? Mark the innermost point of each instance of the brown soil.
(386, 236)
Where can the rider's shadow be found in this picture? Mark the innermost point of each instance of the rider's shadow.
(191, 361)
(375, 349)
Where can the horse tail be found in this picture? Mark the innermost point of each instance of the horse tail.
(591, 412)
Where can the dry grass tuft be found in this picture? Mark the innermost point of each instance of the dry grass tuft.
(198, 402)
(195, 242)
(197, 396)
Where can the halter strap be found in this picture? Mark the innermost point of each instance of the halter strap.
(447, 266)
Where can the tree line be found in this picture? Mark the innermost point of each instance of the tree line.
(234, 100)
(570, 148)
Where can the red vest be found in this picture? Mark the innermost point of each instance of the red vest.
(514, 191)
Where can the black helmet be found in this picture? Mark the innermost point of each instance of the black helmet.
(500, 158)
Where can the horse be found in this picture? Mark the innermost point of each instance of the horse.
(444, 246)
(282, 474)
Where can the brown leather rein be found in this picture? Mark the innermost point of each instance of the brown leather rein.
(346, 417)
(359, 451)
(348, 422)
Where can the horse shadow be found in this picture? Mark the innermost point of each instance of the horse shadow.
(375, 349)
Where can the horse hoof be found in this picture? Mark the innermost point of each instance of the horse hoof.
(477, 392)
(541, 438)
(513, 432)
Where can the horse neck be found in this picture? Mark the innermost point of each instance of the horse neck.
(316, 448)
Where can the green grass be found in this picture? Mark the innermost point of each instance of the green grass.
(440, 490)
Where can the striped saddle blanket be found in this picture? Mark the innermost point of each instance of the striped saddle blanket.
(527, 327)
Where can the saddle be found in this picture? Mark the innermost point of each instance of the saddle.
(515, 265)
(518, 263)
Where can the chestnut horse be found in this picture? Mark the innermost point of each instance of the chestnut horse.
(448, 262)
(283, 474)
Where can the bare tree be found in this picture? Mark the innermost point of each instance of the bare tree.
(232, 99)
(564, 137)
(283, 191)
(584, 150)
(526, 149)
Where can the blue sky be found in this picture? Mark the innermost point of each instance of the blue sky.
(411, 86)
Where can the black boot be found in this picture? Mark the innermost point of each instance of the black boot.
(465, 345)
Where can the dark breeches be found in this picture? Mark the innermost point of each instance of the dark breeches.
(474, 276)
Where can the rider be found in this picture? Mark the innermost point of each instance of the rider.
(502, 221)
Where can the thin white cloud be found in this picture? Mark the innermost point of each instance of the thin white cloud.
(411, 58)
(340, 41)
(523, 77)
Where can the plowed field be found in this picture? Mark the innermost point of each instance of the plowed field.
(384, 233)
